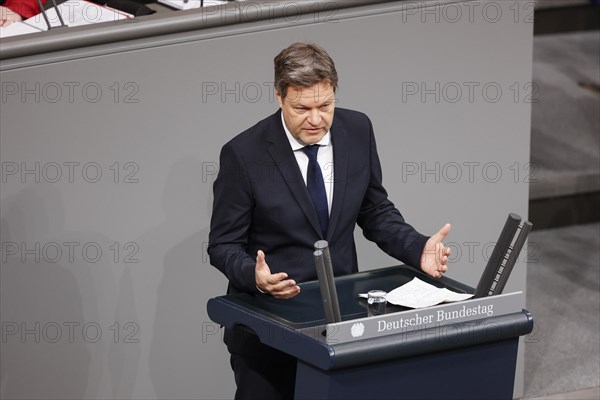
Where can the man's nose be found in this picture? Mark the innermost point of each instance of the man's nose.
(314, 117)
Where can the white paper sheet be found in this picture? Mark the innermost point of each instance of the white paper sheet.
(77, 13)
(419, 294)
(17, 28)
(182, 5)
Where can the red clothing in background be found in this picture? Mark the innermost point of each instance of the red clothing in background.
(25, 8)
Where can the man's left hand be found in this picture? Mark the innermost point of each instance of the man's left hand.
(435, 255)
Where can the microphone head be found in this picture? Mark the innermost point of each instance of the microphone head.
(321, 245)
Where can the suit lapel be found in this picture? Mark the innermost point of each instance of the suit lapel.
(286, 163)
(339, 138)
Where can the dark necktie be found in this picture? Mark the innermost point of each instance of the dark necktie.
(316, 186)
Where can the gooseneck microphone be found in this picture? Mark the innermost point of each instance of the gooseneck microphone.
(324, 268)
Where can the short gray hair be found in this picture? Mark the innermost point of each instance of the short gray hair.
(303, 65)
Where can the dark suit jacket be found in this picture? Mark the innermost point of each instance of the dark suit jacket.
(261, 203)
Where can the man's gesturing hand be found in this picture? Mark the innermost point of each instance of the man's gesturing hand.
(277, 285)
(435, 256)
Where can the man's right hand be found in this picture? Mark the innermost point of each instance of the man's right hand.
(277, 285)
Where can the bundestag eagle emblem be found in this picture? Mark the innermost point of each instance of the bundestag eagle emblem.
(357, 329)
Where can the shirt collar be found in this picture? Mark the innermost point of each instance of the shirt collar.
(296, 145)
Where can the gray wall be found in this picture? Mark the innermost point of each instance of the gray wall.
(130, 322)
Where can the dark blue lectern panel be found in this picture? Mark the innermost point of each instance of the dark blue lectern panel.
(473, 373)
(469, 359)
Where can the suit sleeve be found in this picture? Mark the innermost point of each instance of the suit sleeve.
(230, 223)
(381, 221)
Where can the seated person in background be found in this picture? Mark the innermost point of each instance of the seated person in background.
(17, 10)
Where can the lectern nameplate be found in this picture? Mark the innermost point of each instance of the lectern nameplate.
(418, 319)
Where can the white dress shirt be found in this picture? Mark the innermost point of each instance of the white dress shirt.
(324, 158)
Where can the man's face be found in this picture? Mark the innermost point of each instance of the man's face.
(308, 112)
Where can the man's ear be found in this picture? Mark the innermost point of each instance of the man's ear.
(279, 98)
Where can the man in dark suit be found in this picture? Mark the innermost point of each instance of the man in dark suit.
(306, 173)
